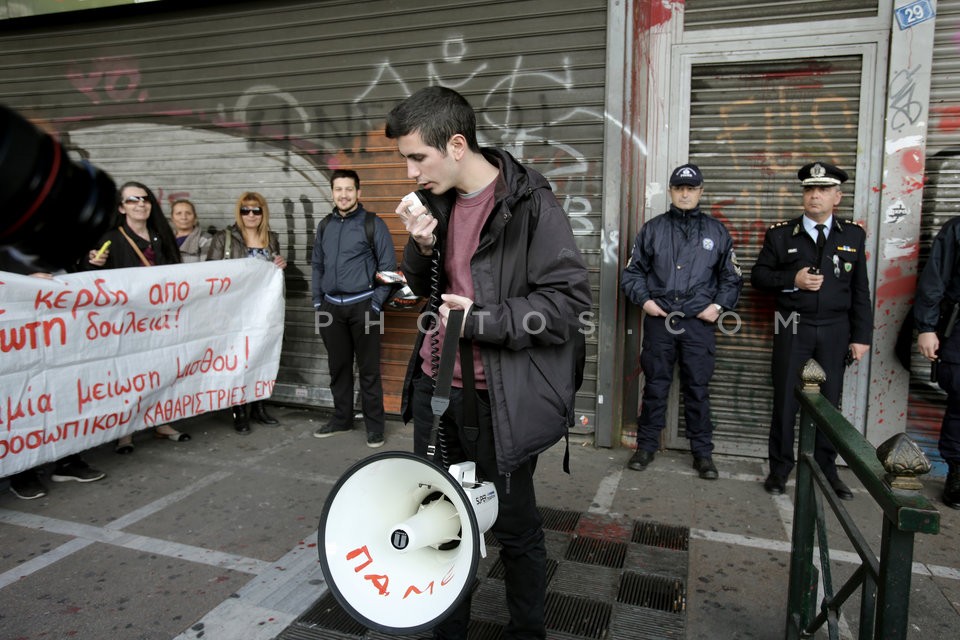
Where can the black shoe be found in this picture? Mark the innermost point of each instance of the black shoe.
(843, 491)
(124, 446)
(328, 430)
(951, 488)
(706, 468)
(27, 486)
(375, 440)
(640, 460)
(76, 470)
(774, 485)
(259, 413)
(241, 423)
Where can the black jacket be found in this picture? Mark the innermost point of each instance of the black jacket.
(122, 254)
(788, 248)
(238, 249)
(684, 261)
(526, 263)
(343, 261)
(940, 279)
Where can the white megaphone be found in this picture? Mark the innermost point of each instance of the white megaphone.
(400, 539)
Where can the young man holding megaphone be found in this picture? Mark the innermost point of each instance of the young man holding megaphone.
(488, 237)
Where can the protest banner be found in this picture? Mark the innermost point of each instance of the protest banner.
(86, 358)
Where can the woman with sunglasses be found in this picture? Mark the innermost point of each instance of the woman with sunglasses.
(249, 237)
(141, 238)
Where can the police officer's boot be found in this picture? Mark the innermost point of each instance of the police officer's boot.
(951, 488)
(241, 423)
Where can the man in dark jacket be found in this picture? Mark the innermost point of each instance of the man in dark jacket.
(935, 312)
(684, 273)
(349, 305)
(817, 267)
(494, 242)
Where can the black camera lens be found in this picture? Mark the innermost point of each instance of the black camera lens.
(54, 210)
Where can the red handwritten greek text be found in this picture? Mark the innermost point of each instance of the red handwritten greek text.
(33, 334)
(76, 300)
(130, 324)
(107, 389)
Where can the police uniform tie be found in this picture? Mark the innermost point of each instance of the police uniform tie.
(821, 243)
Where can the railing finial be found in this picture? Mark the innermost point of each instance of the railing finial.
(812, 375)
(903, 461)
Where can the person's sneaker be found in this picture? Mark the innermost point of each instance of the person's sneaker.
(27, 486)
(374, 440)
(78, 471)
(328, 430)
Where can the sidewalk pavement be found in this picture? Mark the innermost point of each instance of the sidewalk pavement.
(216, 538)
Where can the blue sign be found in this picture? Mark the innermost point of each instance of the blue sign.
(914, 13)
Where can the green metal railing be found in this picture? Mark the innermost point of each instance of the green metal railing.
(889, 473)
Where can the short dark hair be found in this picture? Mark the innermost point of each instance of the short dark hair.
(438, 114)
(345, 173)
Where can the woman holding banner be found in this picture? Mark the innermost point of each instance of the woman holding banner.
(141, 238)
(249, 237)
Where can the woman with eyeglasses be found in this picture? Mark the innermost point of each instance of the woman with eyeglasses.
(192, 240)
(249, 237)
(141, 238)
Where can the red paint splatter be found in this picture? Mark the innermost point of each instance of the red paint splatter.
(912, 184)
(896, 284)
(604, 527)
(949, 119)
(654, 14)
(912, 160)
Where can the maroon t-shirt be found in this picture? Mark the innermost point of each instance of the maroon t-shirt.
(463, 237)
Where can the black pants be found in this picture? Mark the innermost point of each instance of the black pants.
(791, 349)
(948, 377)
(518, 528)
(347, 331)
(694, 342)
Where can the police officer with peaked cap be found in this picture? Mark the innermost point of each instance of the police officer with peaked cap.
(816, 267)
(684, 273)
(936, 312)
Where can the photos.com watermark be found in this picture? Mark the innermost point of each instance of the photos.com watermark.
(533, 322)
(729, 322)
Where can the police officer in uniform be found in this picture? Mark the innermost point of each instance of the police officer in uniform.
(816, 266)
(684, 273)
(936, 312)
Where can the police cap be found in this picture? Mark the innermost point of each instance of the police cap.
(821, 174)
(688, 174)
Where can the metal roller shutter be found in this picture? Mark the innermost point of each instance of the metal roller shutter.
(713, 14)
(270, 96)
(941, 201)
(752, 124)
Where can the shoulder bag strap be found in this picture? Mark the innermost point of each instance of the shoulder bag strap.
(133, 244)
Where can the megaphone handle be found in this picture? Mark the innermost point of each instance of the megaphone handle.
(469, 386)
(441, 390)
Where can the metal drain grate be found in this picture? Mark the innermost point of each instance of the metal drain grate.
(664, 536)
(577, 616)
(499, 573)
(484, 630)
(604, 553)
(491, 540)
(558, 520)
(327, 613)
(653, 592)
